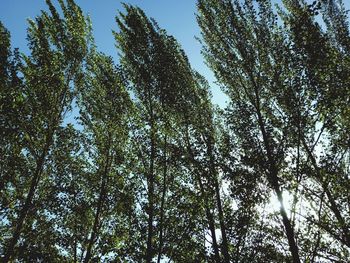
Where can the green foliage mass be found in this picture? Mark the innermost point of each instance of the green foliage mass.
(150, 170)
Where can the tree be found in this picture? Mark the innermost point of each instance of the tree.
(150, 169)
(243, 60)
(283, 87)
(165, 87)
(58, 46)
(11, 106)
(326, 87)
(104, 107)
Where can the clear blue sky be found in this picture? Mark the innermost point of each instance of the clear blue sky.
(176, 16)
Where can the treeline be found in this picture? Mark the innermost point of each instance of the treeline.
(150, 170)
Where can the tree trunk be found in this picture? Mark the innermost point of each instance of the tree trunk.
(274, 181)
(165, 170)
(211, 224)
(333, 204)
(52, 126)
(28, 202)
(150, 179)
(102, 195)
(288, 227)
(218, 203)
(209, 215)
(75, 258)
(222, 223)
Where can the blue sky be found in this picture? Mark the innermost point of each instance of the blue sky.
(177, 17)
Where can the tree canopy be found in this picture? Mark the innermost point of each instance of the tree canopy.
(150, 169)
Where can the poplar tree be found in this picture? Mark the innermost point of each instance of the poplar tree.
(58, 45)
(240, 45)
(326, 89)
(150, 60)
(133, 162)
(104, 108)
(11, 142)
(288, 92)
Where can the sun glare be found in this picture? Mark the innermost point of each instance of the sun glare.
(275, 205)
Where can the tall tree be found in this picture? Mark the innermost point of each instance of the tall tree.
(326, 89)
(163, 84)
(288, 93)
(11, 106)
(150, 170)
(105, 106)
(137, 39)
(200, 141)
(242, 59)
(58, 46)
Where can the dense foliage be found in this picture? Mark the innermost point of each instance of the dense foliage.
(148, 169)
